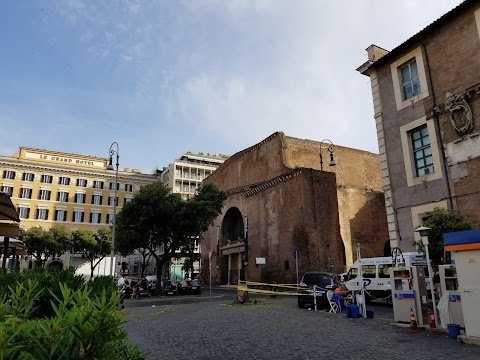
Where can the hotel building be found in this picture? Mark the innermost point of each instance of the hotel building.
(77, 191)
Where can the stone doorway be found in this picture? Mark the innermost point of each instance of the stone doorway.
(232, 247)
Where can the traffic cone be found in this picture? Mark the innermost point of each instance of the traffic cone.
(413, 322)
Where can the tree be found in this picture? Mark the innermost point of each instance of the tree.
(44, 244)
(163, 223)
(94, 246)
(441, 221)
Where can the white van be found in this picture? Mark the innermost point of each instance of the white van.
(376, 274)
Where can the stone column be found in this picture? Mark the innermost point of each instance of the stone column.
(229, 268)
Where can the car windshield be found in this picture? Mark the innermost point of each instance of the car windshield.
(321, 280)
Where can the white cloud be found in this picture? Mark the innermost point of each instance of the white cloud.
(218, 76)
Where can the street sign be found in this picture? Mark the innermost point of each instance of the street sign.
(296, 253)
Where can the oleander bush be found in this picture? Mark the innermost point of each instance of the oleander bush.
(83, 325)
(48, 280)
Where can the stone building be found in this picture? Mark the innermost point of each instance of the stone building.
(279, 201)
(426, 104)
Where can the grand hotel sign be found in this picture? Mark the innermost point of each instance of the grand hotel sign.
(70, 160)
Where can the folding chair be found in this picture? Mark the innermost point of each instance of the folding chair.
(333, 304)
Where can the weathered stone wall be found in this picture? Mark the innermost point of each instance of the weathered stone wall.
(359, 192)
(311, 211)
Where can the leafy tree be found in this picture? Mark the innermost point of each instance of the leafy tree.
(94, 246)
(441, 221)
(44, 244)
(163, 223)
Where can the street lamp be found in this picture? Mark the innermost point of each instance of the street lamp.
(424, 231)
(110, 167)
(330, 148)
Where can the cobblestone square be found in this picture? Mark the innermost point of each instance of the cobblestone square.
(277, 329)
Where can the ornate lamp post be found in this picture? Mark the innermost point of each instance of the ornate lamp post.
(110, 167)
(330, 148)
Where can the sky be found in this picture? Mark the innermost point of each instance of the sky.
(163, 77)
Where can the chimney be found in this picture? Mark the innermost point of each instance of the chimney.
(375, 52)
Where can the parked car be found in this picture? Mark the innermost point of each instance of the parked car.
(323, 280)
(190, 287)
(169, 287)
(137, 286)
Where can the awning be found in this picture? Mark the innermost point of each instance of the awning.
(15, 246)
(7, 209)
(462, 240)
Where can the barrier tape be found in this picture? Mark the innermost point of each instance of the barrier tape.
(247, 286)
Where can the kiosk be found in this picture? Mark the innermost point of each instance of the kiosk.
(409, 292)
(449, 282)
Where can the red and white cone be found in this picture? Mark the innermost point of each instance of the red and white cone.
(413, 323)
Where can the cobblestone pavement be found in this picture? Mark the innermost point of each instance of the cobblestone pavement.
(277, 329)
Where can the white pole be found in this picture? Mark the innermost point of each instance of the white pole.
(315, 296)
(112, 254)
(210, 275)
(427, 253)
(296, 266)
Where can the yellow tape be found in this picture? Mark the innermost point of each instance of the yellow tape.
(247, 286)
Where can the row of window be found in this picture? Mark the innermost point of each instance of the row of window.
(63, 180)
(79, 198)
(77, 216)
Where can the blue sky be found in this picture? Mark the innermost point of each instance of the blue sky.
(169, 76)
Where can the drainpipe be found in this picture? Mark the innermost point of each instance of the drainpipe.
(435, 113)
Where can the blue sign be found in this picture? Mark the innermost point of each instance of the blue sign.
(366, 282)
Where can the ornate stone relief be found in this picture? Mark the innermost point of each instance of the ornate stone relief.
(459, 112)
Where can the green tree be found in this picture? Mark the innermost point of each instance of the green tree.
(94, 246)
(44, 244)
(441, 221)
(163, 223)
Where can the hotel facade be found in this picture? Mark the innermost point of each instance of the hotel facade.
(77, 191)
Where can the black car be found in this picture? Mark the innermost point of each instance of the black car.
(169, 287)
(137, 287)
(324, 282)
(190, 287)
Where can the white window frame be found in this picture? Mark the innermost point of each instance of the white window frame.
(25, 191)
(407, 150)
(109, 219)
(97, 199)
(84, 195)
(110, 202)
(60, 214)
(7, 189)
(45, 194)
(64, 180)
(42, 213)
(419, 212)
(45, 177)
(95, 217)
(78, 215)
(27, 176)
(397, 79)
(62, 195)
(21, 210)
(10, 174)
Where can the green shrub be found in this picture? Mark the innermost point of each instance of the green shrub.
(48, 280)
(84, 326)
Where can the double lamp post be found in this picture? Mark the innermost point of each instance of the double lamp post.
(113, 152)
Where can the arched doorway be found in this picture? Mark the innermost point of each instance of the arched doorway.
(232, 247)
(387, 251)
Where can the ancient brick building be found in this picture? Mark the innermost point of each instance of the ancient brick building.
(426, 103)
(279, 201)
